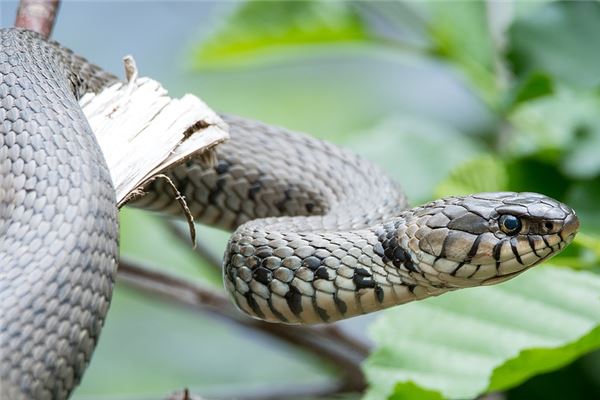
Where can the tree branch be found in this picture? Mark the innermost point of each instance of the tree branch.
(37, 15)
(272, 393)
(201, 249)
(315, 340)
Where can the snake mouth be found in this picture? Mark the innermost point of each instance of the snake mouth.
(504, 277)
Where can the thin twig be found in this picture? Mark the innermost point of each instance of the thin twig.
(203, 251)
(314, 340)
(37, 15)
(335, 332)
(314, 391)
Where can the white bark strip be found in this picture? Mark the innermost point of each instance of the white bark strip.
(142, 131)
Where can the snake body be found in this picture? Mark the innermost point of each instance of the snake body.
(323, 234)
(58, 220)
(320, 233)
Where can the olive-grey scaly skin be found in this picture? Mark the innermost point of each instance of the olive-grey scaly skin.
(58, 220)
(320, 233)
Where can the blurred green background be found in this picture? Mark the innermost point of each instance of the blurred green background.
(449, 97)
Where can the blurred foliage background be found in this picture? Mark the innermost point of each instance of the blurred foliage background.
(449, 97)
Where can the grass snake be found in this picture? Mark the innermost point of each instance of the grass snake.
(320, 234)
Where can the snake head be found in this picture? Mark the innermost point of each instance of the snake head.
(486, 238)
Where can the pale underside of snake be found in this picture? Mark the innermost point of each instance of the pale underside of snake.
(320, 234)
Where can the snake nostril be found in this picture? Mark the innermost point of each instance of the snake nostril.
(549, 225)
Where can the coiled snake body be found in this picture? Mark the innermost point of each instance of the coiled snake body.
(321, 234)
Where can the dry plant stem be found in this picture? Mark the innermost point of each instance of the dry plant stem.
(278, 393)
(314, 340)
(338, 334)
(37, 15)
(203, 251)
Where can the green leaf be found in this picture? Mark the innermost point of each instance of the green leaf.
(410, 391)
(536, 361)
(584, 197)
(559, 38)
(484, 339)
(535, 85)
(563, 128)
(537, 174)
(460, 34)
(485, 173)
(260, 31)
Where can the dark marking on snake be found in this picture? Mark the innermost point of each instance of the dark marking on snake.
(264, 252)
(280, 205)
(473, 250)
(254, 189)
(275, 312)
(379, 293)
(546, 241)
(294, 299)
(311, 262)
(477, 268)
(262, 275)
(322, 273)
(253, 304)
(531, 242)
(222, 167)
(459, 266)
(390, 250)
(443, 249)
(409, 265)
(400, 255)
(513, 246)
(497, 250)
(340, 304)
(214, 194)
(322, 312)
(363, 279)
(378, 249)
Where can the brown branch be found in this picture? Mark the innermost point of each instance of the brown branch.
(201, 249)
(37, 15)
(314, 391)
(315, 340)
(336, 333)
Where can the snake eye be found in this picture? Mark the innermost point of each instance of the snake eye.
(510, 224)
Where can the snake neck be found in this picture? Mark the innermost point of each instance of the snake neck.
(313, 276)
(321, 275)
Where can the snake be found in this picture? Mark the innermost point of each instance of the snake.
(319, 233)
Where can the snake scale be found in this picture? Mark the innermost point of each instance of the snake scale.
(320, 233)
